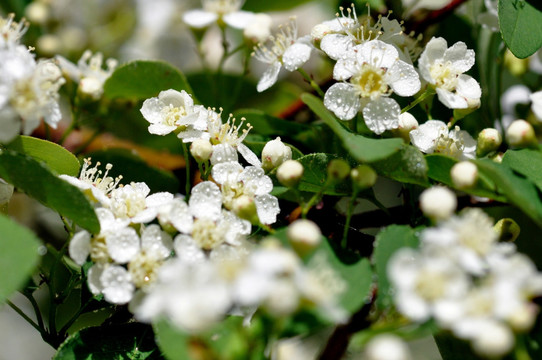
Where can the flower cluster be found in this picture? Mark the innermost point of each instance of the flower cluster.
(28, 88)
(468, 282)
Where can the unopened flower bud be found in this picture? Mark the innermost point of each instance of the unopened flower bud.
(387, 347)
(289, 173)
(521, 134)
(37, 12)
(464, 174)
(304, 236)
(495, 340)
(319, 31)
(407, 123)
(201, 150)
(49, 44)
(90, 87)
(507, 229)
(363, 177)
(337, 170)
(245, 208)
(258, 29)
(522, 319)
(489, 140)
(438, 202)
(275, 153)
(516, 66)
(472, 105)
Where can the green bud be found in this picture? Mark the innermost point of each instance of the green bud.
(289, 173)
(507, 229)
(489, 140)
(363, 177)
(337, 170)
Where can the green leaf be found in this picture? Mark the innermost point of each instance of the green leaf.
(439, 170)
(354, 271)
(275, 5)
(526, 162)
(144, 79)
(133, 168)
(19, 248)
(265, 124)
(53, 155)
(361, 148)
(387, 242)
(518, 190)
(173, 342)
(315, 175)
(520, 22)
(37, 180)
(127, 341)
(408, 166)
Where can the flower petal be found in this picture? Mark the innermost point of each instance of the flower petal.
(462, 59)
(425, 135)
(79, 248)
(249, 155)
(156, 241)
(206, 200)
(342, 100)
(269, 77)
(336, 45)
(381, 115)
(403, 79)
(451, 100)
(239, 19)
(267, 207)
(117, 283)
(296, 55)
(122, 245)
(199, 18)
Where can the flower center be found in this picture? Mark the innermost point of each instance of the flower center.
(430, 285)
(369, 83)
(222, 7)
(143, 269)
(206, 234)
(444, 76)
(173, 114)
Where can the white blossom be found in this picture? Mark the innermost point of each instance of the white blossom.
(443, 68)
(375, 72)
(227, 11)
(434, 136)
(286, 49)
(174, 111)
(245, 191)
(134, 202)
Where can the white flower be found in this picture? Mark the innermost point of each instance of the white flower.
(227, 11)
(259, 28)
(387, 347)
(89, 73)
(227, 139)
(245, 191)
(375, 72)
(174, 111)
(134, 202)
(93, 184)
(536, 105)
(427, 283)
(434, 137)
(11, 31)
(285, 49)
(469, 237)
(443, 68)
(192, 296)
(490, 18)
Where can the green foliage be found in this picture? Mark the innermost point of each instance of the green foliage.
(19, 256)
(387, 242)
(39, 182)
(518, 190)
(54, 156)
(408, 166)
(143, 79)
(315, 175)
(439, 170)
(526, 162)
(133, 168)
(354, 271)
(361, 148)
(128, 341)
(520, 22)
